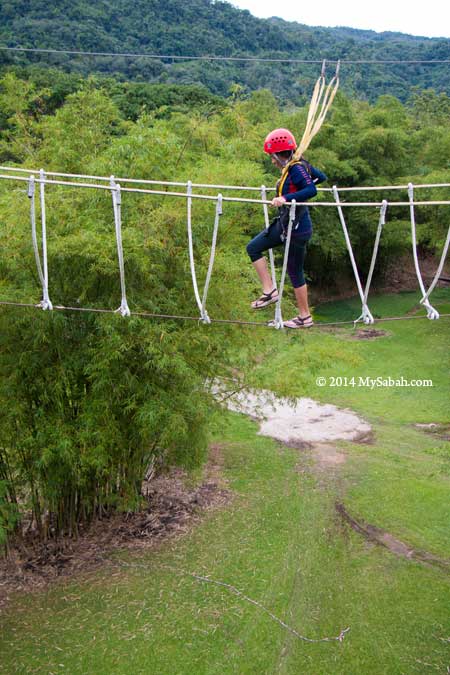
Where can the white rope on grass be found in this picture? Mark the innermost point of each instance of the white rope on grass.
(124, 310)
(432, 313)
(366, 315)
(278, 319)
(238, 593)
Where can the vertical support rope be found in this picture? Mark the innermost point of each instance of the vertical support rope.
(381, 224)
(191, 246)
(278, 320)
(124, 310)
(267, 225)
(31, 195)
(45, 302)
(204, 314)
(432, 313)
(366, 314)
(440, 267)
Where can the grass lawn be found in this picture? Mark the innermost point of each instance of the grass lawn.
(280, 540)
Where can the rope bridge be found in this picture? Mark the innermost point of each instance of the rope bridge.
(118, 186)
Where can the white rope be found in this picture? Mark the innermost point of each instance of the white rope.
(278, 319)
(381, 224)
(124, 310)
(144, 181)
(371, 188)
(204, 314)
(211, 185)
(191, 57)
(238, 200)
(45, 302)
(31, 196)
(267, 226)
(366, 314)
(116, 198)
(432, 313)
(201, 302)
(440, 267)
(191, 251)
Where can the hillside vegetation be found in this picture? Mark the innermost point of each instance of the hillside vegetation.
(91, 401)
(174, 27)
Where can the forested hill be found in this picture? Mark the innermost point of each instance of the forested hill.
(199, 27)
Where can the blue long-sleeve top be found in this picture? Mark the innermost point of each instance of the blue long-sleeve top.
(300, 184)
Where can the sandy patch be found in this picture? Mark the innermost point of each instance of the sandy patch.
(301, 420)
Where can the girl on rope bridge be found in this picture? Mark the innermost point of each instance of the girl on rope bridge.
(298, 181)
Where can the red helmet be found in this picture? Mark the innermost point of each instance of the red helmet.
(279, 140)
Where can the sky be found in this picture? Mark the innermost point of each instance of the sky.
(416, 17)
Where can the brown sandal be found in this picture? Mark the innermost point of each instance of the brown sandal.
(265, 299)
(298, 322)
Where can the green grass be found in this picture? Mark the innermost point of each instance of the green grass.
(281, 542)
(414, 350)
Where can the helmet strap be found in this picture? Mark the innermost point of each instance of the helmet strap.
(282, 161)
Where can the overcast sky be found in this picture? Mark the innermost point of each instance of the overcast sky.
(430, 18)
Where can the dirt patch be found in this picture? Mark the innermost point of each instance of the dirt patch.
(328, 456)
(367, 439)
(400, 275)
(299, 445)
(368, 334)
(394, 545)
(171, 509)
(441, 431)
